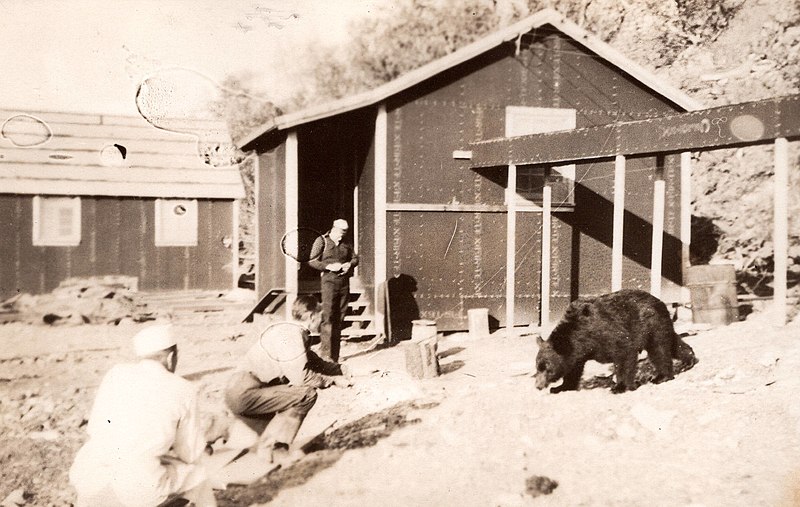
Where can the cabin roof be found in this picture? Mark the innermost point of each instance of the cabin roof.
(416, 76)
(52, 153)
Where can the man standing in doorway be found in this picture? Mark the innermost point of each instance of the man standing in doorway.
(336, 262)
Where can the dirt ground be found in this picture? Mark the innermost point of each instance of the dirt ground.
(724, 433)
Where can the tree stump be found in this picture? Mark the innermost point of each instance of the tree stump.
(421, 359)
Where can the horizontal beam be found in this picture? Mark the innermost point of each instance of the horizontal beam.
(468, 208)
(740, 124)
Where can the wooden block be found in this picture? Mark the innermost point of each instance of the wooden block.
(421, 359)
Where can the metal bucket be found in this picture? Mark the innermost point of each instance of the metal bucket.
(713, 294)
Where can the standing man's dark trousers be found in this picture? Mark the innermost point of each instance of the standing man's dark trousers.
(335, 296)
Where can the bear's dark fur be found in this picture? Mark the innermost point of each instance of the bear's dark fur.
(612, 328)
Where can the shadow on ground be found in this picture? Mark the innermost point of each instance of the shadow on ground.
(645, 373)
(323, 451)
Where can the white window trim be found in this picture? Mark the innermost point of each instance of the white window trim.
(162, 237)
(38, 233)
(523, 120)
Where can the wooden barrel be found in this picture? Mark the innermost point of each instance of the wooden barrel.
(713, 293)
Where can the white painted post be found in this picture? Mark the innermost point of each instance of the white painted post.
(686, 218)
(511, 246)
(381, 167)
(780, 235)
(257, 225)
(547, 199)
(291, 221)
(619, 215)
(658, 238)
(235, 243)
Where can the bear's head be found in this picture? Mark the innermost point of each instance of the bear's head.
(549, 364)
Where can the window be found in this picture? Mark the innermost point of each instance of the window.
(176, 222)
(56, 221)
(531, 179)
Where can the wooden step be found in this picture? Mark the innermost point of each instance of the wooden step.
(358, 318)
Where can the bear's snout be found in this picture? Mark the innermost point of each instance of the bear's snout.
(541, 380)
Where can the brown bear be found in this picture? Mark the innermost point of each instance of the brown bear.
(611, 328)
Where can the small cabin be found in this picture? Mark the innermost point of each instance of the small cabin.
(395, 162)
(85, 195)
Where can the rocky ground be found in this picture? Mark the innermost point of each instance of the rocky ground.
(726, 432)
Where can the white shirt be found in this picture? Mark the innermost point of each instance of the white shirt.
(141, 412)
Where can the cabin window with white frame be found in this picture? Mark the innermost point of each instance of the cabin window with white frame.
(56, 221)
(176, 222)
(531, 179)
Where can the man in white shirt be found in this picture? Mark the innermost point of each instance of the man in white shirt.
(145, 438)
(276, 385)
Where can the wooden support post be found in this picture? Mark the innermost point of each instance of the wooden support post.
(544, 320)
(619, 216)
(421, 358)
(780, 235)
(686, 218)
(235, 243)
(658, 238)
(291, 218)
(379, 232)
(511, 247)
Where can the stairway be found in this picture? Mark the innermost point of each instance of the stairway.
(359, 321)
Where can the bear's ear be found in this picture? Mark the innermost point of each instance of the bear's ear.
(539, 340)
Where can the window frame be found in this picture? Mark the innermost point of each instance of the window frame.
(524, 120)
(161, 235)
(44, 236)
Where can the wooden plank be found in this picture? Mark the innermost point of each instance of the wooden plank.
(780, 234)
(619, 215)
(59, 171)
(114, 133)
(93, 157)
(381, 144)
(656, 255)
(511, 247)
(185, 146)
(686, 218)
(547, 198)
(52, 116)
(748, 123)
(108, 188)
(291, 217)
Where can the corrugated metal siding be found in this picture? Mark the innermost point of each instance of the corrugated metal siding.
(117, 239)
(468, 103)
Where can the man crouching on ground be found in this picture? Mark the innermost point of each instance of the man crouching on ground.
(276, 385)
(142, 410)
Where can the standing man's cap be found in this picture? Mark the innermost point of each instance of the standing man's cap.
(153, 339)
(341, 224)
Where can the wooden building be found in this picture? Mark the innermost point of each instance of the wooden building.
(89, 195)
(395, 161)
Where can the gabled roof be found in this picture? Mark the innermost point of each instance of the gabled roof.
(51, 153)
(416, 76)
